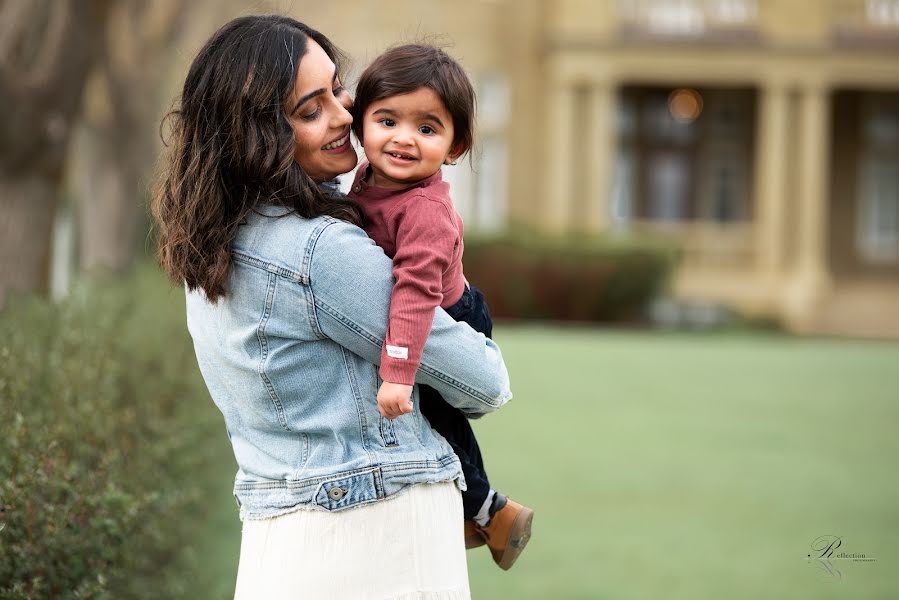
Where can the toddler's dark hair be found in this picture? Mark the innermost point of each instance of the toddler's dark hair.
(404, 69)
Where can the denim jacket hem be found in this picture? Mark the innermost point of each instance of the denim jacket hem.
(340, 491)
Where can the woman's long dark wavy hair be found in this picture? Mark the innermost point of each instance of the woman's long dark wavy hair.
(232, 148)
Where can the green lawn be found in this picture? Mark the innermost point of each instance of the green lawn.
(680, 466)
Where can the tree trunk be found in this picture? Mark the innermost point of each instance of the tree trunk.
(26, 228)
(115, 148)
(46, 50)
(111, 201)
(108, 221)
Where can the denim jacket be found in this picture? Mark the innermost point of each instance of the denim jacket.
(290, 358)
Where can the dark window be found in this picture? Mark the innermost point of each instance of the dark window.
(684, 154)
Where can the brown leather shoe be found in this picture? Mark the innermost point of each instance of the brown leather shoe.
(508, 531)
(473, 536)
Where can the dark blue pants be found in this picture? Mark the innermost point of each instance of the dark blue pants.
(450, 422)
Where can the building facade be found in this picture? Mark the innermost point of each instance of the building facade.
(761, 135)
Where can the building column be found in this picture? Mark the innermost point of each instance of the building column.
(771, 182)
(811, 280)
(559, 154)
(602, 149)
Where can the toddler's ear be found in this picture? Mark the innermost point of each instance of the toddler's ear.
(453, 155)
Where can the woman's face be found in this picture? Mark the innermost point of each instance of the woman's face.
(318, 112)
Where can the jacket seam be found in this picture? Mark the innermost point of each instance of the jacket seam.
(306, 267)
(265, 265)
(315, 482)
(306, 272)
(357, 398)
(263, 344)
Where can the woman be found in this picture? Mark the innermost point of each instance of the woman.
(287, 304)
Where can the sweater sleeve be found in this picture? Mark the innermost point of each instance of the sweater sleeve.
(425, 239)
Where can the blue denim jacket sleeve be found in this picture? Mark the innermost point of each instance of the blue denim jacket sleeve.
(351, 280)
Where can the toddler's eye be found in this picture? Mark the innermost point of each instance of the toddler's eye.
(426, 129)
(387, 122)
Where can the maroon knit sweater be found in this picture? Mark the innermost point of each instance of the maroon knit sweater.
(420, 230)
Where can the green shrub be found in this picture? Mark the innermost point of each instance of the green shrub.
(579, 278)
(104, 447)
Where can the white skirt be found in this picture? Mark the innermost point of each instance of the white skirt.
(408, 547)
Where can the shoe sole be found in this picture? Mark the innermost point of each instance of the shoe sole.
(519, 536)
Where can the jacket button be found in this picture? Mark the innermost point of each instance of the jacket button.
(335, 493)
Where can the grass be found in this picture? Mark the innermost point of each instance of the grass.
(680, 466)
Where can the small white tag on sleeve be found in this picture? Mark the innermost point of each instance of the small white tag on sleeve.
(397, 352)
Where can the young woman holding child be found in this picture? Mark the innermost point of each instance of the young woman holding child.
(288, 307)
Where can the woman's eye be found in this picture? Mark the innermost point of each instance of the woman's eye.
(426, 129)
(338, 90)
(311, 116)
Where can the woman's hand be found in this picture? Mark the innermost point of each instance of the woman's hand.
(394, 399)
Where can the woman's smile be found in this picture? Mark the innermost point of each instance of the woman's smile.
(339, 145)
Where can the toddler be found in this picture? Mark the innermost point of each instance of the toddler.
(414, 112)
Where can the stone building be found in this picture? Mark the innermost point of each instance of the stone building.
(761, 135)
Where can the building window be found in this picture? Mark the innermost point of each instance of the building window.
(683, 161)
(687, 18)
(491, 173)
(490, 202)
(480, 194)
(873, 23)
(877, 232)
(623, 181)
(733, 11)
(882, 13)
(670, 184)
(678, 17)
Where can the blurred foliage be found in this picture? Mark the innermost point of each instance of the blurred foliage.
(105, 445)
(526, 275)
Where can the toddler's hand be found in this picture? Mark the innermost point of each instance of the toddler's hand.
(394, 399)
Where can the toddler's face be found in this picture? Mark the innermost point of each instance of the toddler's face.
(407, 138)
